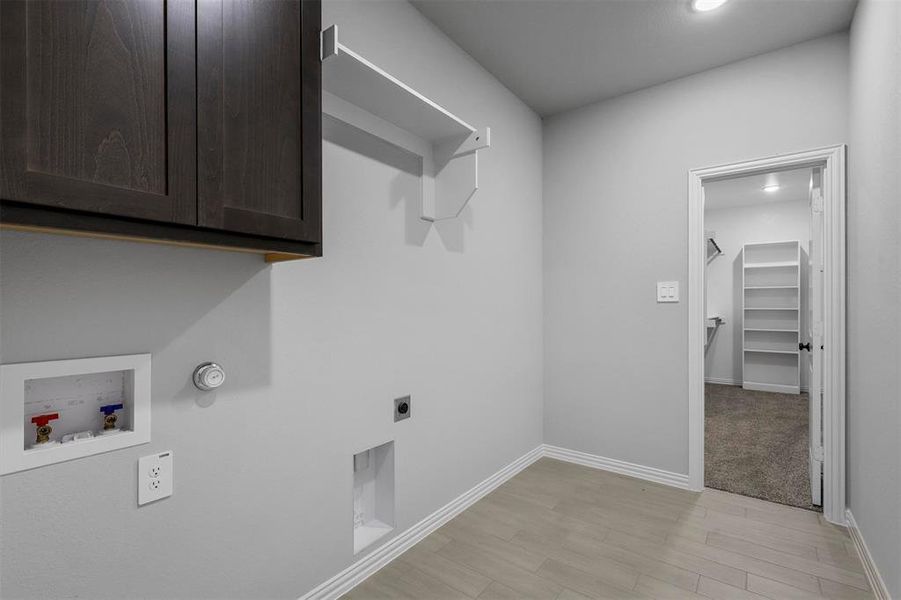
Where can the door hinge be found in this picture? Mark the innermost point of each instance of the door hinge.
(818, 453)
(817, 203)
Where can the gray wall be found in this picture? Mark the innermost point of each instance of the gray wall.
(874, 282)
(315, 351)
(615, 222)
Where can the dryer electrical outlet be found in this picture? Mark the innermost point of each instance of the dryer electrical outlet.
(154, 477)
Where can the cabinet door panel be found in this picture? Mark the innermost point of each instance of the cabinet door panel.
(98, 106)
(259, 117)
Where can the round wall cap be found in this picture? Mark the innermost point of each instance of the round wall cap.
(209, 376)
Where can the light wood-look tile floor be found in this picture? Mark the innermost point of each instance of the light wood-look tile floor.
(559, 531)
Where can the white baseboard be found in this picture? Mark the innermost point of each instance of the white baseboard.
(736, 382)
(356, 573)
(721, 381)
(618, 466)
(869, 567)
(353, 575)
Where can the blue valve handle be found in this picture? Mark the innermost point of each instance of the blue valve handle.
(111, 408)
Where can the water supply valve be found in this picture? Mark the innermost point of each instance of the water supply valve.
(43, 428)
(110, 417)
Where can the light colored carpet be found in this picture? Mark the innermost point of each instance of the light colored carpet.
(756, 444)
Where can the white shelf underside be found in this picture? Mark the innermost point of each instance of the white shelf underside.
(772, 265)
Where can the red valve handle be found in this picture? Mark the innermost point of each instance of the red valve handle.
(42, 420)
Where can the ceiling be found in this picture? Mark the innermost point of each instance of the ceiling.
(745, 191)
(559, 54)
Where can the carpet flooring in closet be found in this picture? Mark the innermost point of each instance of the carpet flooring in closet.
(755, 444)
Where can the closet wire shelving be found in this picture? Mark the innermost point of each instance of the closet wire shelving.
(771, 316)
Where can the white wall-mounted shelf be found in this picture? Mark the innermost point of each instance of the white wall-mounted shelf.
(447, 144)
(770, 287)
(771, 351)
(716, 321)
(772, 265)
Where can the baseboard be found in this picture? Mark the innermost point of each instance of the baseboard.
(722, 381)
(618, 466)
(735, 382)
(876, 582)
(353, 575)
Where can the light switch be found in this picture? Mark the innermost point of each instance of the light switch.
(667, 291)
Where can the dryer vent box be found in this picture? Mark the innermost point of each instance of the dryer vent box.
(373, 500)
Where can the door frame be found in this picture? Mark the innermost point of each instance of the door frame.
(832, 158)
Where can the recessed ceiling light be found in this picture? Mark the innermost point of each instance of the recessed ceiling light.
(773, 187)
(706, 5)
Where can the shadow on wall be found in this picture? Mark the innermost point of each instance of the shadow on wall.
(375, 148)
(65, 297)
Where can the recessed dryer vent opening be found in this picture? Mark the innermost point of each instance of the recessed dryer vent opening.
(373, 495)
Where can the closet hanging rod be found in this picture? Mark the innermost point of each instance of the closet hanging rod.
(715, 245)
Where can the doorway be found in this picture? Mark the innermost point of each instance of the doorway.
(766, 337)
(760, 438)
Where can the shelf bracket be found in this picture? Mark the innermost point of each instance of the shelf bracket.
(451, 177)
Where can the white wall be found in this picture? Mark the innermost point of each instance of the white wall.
(315, 352)
(874, 283)
(735, 227)
(615, 222)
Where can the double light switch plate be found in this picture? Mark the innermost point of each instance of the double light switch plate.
(667, 291)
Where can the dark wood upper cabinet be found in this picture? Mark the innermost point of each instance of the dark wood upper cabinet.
(259, 117)
(98, 107)
(177, 120)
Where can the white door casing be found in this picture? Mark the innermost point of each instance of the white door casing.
(832, 160)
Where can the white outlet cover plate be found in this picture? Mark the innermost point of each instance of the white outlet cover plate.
(667, 291)
(154, 477)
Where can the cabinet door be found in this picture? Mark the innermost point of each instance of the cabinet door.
(259, 123)
(97, 106)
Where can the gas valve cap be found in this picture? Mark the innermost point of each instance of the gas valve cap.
(209, 376)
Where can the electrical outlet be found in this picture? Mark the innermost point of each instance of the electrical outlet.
(403, 407)
(154, 477)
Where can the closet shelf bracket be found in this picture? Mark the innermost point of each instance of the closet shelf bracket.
(356, 90)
